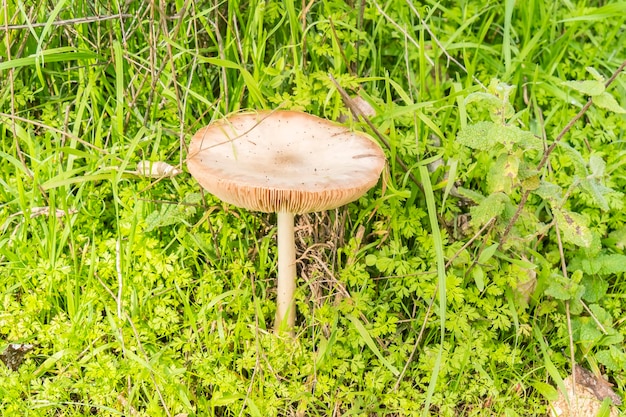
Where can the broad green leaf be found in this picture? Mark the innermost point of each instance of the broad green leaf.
(595, 288)
(612, 337)
(597, 165)
(487, 98)
(486, 135)
(595, 74)
(488, 253)
(499, 107)
(608, 102)
(603, 264)
(172, 214)
(585, 330)
(531, 183)
(580, 166)
(597, 192)
(478, 136)
(617, 238)
(511, 167)
(546, 390)
(587, 87)
(370, 260)
(614, 359)
(564, 289)
(471, 194)
(529, 141)
(502, 174)
(479, 277)
(605, 408)
(557, 290)
(601, 314)
(574, 228)
(490, 207)
(549, 191)
(612, 264)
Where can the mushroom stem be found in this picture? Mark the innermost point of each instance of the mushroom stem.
(285, 306)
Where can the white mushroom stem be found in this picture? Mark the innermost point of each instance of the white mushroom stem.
(285, 305)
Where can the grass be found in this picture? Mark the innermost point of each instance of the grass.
(149, 297)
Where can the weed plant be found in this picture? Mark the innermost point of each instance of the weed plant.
(490, 259)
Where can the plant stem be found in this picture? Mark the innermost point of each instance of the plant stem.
(285, 307)
(548, 152)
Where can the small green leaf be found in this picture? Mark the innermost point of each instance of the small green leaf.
(597, 165)
(587, 87)
(609, 264)
(617, 238)
(477, 136)
(485, 136)
(564, 289)
(511, 167)
(557, 290)
(531, 183)
(490, 207)
(370, 260)
(614, 359)
(608, 102)
(595, 288)
(595, 74)
(487, 253)
(489, 99)
(586, 330)
(502, 174)
(479, 277)
(613, 337)
(471, 194)
(574, 227)
(548, 391)
(578, 162)
(549, 191)
(597, 192)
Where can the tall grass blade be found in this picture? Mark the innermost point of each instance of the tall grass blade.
(441, 276)
(370, 343)
(119, 88)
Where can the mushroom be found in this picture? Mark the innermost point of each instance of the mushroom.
(284, 162)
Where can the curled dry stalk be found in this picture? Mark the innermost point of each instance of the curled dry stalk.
(548, 152)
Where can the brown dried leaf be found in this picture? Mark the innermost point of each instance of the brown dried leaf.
(13, 355)
(360, 107)
(585, 399)
(156, 169)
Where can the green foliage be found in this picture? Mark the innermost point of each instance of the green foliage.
(149, 297)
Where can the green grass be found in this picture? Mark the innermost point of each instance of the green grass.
(146, 297)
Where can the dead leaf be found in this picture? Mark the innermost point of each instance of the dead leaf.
(13, 355)
(360, 106)
(156, 169)
(586, 398)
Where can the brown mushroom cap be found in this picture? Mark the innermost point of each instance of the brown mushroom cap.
(284, 161)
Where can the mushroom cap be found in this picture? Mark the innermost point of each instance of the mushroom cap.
(284, 161)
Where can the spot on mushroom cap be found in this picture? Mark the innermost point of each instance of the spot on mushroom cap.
(274, 161)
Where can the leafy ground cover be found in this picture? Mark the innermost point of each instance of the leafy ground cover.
(486, 264)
